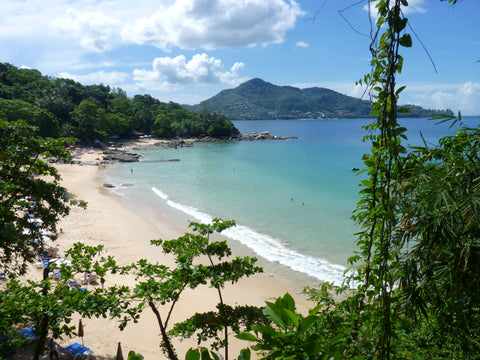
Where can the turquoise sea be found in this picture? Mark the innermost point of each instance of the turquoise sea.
(291, 199)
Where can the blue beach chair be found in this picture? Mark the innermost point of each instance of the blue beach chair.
(55, 274)
(28, 333)
(74, 285)
(76, 350)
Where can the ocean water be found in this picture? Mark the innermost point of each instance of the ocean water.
(292, 200)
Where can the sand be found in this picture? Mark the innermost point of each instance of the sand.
(126, 235)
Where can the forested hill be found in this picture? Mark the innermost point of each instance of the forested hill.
(257, 99)
(65, 108)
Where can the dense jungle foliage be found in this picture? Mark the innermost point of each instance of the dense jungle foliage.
(63, 107)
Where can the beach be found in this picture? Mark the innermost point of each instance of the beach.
(126, 235)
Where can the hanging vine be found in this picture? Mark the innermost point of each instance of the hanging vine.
(375, 212)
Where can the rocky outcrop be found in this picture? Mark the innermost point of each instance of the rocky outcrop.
(264, 135)
(177, 143)
(113, 155)
(120, 155)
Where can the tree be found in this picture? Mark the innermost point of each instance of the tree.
(143, 117)
(61, 107)
(160, 285)
(162, 127)
(209, 325)
(30, 193)
(43, 120)
(31, 203)
(90, 120)
(438, 214)
(48, 305)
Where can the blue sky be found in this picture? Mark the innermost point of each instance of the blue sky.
(188, 50)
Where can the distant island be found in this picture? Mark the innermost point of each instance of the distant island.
(258, 99)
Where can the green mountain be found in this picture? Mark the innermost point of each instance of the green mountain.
(258, 99)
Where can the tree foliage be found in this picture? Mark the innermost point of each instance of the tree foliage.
(97, 112)
(160, 286)
(48, 305)
(439, 229)
(30, 192)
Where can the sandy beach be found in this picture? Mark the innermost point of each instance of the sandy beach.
(126, 235)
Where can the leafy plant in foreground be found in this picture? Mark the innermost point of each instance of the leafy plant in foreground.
(49, 305)
(160, 285)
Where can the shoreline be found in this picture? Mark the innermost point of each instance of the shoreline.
(290, 263)
(310, 271)
(126, 234)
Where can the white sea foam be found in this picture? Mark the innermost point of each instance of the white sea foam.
(269, 248)
(160, 194)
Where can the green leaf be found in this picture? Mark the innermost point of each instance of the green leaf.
(244, 354)
(246, 336)
(314, 310)
(306, 323)
(406, 40)
(264, 329)
(208, 355)
(192, 354)
(291, 316)
(400, 89)
(274, 314)
(288, 302)
(401, 24)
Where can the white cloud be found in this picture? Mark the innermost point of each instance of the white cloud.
(189, 24)
(301, 44)
(94, 30)
(212, 24)
(100, 77)
(459, 97)
(414, 7)
(61, 35)
(345, 88)
(177, 72)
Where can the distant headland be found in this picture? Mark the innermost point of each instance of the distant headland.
(257, 99)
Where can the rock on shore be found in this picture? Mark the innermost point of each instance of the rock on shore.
(264, 135)
(119, 155)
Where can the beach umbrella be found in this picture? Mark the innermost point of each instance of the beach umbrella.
(119, 352)
(80, 329)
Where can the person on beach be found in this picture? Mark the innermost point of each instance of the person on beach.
(52, 345)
